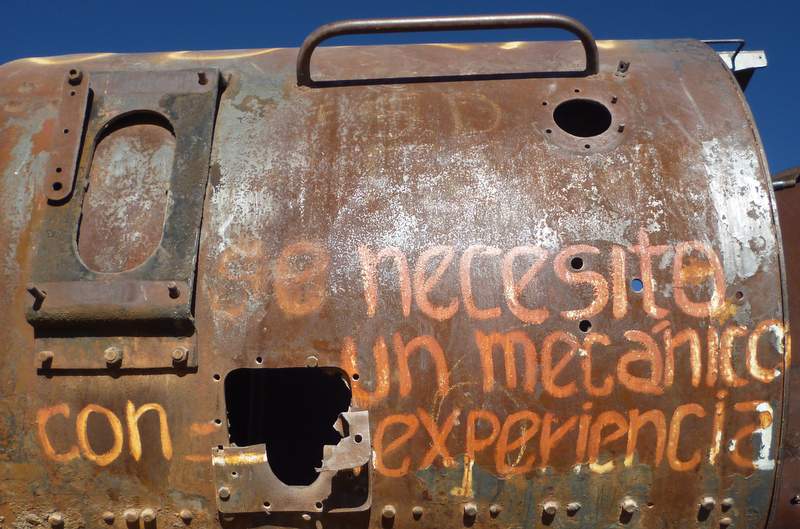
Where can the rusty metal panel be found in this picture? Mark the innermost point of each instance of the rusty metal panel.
(543, 330)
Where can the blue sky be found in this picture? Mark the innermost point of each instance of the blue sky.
(52, 28)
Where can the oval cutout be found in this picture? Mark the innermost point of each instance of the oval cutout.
(123, 211)
(583, 118)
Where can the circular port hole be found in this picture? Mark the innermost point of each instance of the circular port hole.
(637, 285)
(576, 263)
(582, 117)
(585, 325)
(357, 438)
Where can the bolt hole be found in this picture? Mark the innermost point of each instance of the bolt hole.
(266, 504)
(57, 186)
(216, 376)
(202, 78)
(637, 285)
(549, 131)
(587, 146)
(234, 474)
(66, 131)
(219, 447)
(577, 90)
(576, 263)
(739, 295)
(544, 103)
(58, 169)
(356, 376)
(357, 438)
(585, 325)
(650, 504)
(72, 92)
(318, 505)
(217, 421)
(259, 360)
(73, 72)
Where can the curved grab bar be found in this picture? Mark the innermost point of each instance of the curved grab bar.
(457, 23)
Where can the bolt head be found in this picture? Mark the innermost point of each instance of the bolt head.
(180, 355)
(725, 522)
(470, 509)
(550, 508)
(45, 357)
(108, 517)
(186, 515)
(148, 515)
(389, 512)
(573, 507)
(629, 505)
(112, 355)
(305, 516)
(495, 509)
(224, 493)
(416, 512)
(55, 519)
(312, 361)
(131, 515)
(727, 503)
(75, 76)
(708, 503)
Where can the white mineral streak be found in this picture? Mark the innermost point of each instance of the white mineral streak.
(741, 201)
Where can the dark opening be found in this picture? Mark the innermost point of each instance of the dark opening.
(576, 263)
(585, 325)
(292, 411)
(582, 117)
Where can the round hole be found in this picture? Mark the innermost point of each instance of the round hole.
(202, 78)
(577, 90)
(582, 117)
(544, 103)
(235, 474)
(57, 186)
(72, 92)
(356, 376)
(318, 505)
(585, 325)
(219, 447)
(357, 438)
(739, 295)
(549, 131)
(259, 360)
(587, 146)
(58, 169)
(217, 421)
(637, 285)
(576, 263)
(216, 376)
(66, 131)
(266, 505)
(73, 72)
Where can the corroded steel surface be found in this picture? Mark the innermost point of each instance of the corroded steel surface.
(423, 238)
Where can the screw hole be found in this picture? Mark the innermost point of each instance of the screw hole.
(739, 295)
(72, 92)
(587, 146)
(259, 360)
(58, 169)
(357, 438)
(217, 421)
(318, 505)
(57, 186)
(577, 90)
(266, 504)
(66, 131)
(637, 285)
(356, 376)
(585, 325)
(576, 263)
(549, 131)
(202, 78)
(235, 474)
(544, 103)
(216, 376)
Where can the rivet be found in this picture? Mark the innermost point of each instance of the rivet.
(112, 355)
(55, 519)
(573, 507)
(550, 508)
(108, 517)
(180, 355)
(727, 503)
(186, 515)
(621, 127)
(795, 499)
(74, 77)
(417, 511)
(305, 516)
(312, 361)
(708, 503)
(45, 357)
(148, 515)
(495, 509)
(725, 522)
(614, 100)
(131, 515)
(224, 493)
(389, 512)
(629, 505)
(470, 510)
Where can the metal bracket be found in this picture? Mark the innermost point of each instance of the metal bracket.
(742, 63)
(79, 314)
(245, 482)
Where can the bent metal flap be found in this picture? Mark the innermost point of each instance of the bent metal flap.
(437, 286)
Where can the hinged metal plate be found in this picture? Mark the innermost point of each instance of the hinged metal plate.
(147, 310)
